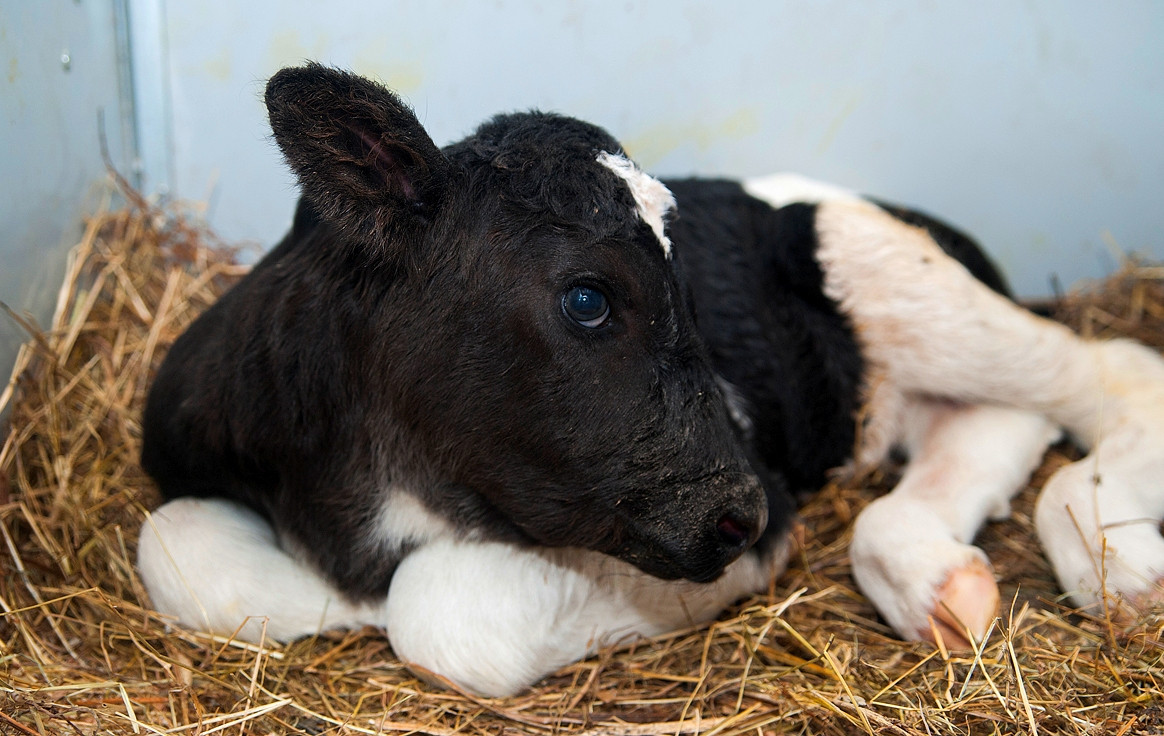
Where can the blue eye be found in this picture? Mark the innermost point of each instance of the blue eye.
(586, 306)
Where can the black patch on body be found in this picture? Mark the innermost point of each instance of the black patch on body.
(770, 330)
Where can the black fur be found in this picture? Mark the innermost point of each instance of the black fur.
(769, 328)
(385, 347)
(408, 337)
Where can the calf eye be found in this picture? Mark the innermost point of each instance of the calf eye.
(586, 306)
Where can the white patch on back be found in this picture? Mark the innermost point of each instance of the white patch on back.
(781, 190)
(653, 199)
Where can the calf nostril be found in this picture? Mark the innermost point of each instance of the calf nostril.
(732, 532)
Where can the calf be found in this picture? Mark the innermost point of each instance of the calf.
(505, 401)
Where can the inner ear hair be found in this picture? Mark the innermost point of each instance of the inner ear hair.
(361, 156)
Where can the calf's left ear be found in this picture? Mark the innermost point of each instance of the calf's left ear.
(361, 157)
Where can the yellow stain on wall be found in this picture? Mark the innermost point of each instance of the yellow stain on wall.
(287, 48)
(13, 62)
(404, 78)
(834, 129)
(651, 146)
(399, 64)
(218, 66)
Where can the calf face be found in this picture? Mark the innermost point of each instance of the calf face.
(509, 337)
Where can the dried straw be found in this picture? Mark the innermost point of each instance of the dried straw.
(81, 652)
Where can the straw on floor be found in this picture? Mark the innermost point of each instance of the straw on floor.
(81, 652)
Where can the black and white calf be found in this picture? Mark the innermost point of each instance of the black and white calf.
(507, 401)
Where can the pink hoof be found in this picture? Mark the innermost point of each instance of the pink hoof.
(966, 604)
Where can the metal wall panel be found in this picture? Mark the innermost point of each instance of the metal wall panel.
(63, 68)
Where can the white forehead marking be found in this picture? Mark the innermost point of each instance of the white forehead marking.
(653, 199)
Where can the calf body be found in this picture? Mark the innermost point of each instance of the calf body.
(503, 401)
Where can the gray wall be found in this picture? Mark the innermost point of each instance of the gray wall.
(49, 143)
(1035, 125)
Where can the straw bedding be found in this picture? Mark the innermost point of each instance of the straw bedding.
(81, 652)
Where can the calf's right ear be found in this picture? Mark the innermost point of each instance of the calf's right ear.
(361, 157)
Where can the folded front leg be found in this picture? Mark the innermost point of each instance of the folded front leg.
(494, 618)
(216, 566)
(911, 549)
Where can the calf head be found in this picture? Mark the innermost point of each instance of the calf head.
(536, 351)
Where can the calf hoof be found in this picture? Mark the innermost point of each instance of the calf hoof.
(922, 580)
(967, 603)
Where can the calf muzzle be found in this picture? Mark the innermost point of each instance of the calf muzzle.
(697, 544)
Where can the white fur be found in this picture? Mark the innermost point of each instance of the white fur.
(781, 190)
(966, 462)
(1098, 518)
(216, 566)
(737, 405)
(406, 521)
(929, 328)
(494, 618)
(653, 199)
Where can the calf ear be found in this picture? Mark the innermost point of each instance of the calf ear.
(362, 158)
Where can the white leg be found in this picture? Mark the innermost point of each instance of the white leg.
(1098, 519)
(936, 330)
(911, 549)
(495, 618)
(933, 329)
(216, 566)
